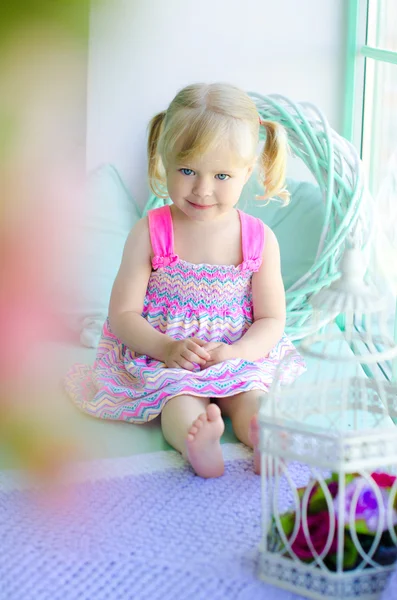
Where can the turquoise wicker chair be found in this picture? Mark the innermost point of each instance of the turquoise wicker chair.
(336, 166)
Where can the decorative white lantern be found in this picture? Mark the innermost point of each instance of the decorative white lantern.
(329, 454)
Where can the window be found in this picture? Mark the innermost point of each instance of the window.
(379, 136)
(371, 122)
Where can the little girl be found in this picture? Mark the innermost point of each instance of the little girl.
(197, 311)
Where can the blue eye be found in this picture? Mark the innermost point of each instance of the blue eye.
(186, 171)
(222, 176)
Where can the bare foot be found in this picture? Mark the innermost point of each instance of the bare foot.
(203, 443)
(254, 437)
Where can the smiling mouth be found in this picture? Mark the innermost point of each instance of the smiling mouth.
(200, 206)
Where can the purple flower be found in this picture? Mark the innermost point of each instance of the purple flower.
(367, 508)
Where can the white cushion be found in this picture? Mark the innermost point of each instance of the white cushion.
(108, 213)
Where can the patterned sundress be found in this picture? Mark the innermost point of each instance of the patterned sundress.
(210, 302)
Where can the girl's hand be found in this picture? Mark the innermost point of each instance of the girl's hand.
(219, 352)
(184, 353)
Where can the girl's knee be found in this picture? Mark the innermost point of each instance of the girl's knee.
(244, 405)
(177, 417)
(185, 404)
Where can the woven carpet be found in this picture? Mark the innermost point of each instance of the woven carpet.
(139, 528)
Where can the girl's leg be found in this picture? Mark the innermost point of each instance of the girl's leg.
(243, 410)
(194, 427)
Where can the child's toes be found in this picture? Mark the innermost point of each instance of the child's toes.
(202, 419)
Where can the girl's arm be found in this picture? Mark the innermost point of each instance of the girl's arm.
(269, 306)
(128, 294)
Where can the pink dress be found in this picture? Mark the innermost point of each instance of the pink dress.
(211, 302)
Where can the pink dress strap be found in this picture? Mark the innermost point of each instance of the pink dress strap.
(162, 237)
(253, 241)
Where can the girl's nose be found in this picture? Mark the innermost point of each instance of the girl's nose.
(202, 187)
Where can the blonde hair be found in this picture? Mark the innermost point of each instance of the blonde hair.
(198, 118)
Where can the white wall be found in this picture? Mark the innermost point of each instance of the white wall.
(142, 51)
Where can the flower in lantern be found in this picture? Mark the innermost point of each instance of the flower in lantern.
(366, 518)
(383, 480)
(318, 525)
(367, 510)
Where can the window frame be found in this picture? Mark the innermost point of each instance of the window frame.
(357, 52)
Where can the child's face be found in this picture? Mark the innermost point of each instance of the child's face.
(208, 187)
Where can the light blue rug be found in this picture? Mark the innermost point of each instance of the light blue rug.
(141, 528)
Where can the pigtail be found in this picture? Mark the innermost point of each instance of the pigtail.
(155, 166)
(273, 162)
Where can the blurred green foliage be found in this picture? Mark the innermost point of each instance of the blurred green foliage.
(72, 15)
